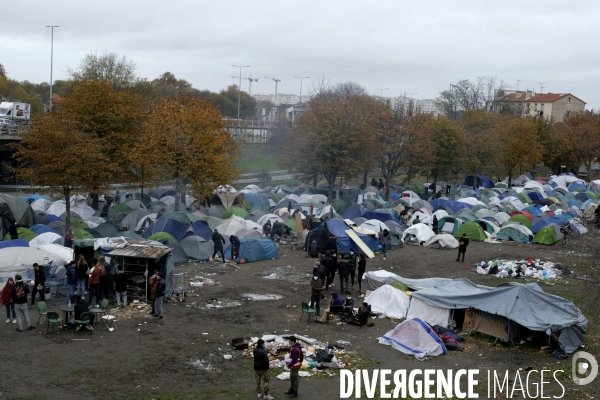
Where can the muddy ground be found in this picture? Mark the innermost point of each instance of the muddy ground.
(182, 355)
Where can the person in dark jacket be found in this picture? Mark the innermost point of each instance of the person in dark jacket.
(374, 183)
(351, 257)
(71, 279)
(267, 229)
(344, 272)
(362, 316)
(313, 249)
(327, 263)
(12, 230)
(261, 370)
(362, 265)
(82, 268)
(348, 304)
(69, 239)
(381, 184)
(316, 286)
(160, 295)
(386, 240)
(463, 242)
(218, 242)
(434, 226)
(38, 283)
(296, 359)
(235, 247)
(81, 306)
(121, 288)
(19, 294)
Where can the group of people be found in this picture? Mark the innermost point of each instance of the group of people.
(275, 230)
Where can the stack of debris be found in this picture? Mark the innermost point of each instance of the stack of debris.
(530, 268)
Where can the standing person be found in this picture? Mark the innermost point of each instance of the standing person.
(313, 249)
(386, 239)
(103, 277)
(290, 208)
(344, 272)
(434, 225)
(312, 209)
(7, 300)
(351, 257)
(153, 284)
(38, 283)
(296, 359)
(121, 289)
(381, 184)
(261, 370)
(267, 229)
(69, 239)
(94, 282)
(161, 213)
(160, 295)
(19, 294)
(316, 286)
(417, 220)
(71, 279)
(235, 247)
(218, 241)
(327, 262)
(462, 246)
(362, 265)
(82, 273)
(12, 230)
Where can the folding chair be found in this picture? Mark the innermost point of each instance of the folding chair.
(309, 311)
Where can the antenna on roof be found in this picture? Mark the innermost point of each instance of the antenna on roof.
(542, 86)
(518, 80)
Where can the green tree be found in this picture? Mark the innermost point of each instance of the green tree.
(585, 128)
(108, 67)
(448, 146)
(482, 143)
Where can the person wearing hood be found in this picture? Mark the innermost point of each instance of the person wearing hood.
(327, 263)
(7, 300)
(235, 248)
(19, 294)
(351, 257)
(267, 229)
(72, 278)
(386, 239)
(38, 283)
(317, 287)
(12, 230)
(336, 300)
(362, 265)
(313, 249)
(69, 239)
(417, 220)
(218, 242)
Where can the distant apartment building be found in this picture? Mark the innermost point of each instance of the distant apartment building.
(281, 98)
(428, 106)
(283, 113)
(550, 105)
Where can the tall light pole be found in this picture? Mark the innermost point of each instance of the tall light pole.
(240, 88)
(301, 77)
(381, 91)
(51, 58)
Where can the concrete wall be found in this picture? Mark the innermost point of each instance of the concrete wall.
(560, 108)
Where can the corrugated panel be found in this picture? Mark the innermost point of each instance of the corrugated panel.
(141, 251)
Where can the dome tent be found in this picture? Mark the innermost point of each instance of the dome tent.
(473, 231)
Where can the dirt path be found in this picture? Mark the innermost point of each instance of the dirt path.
(150, 359)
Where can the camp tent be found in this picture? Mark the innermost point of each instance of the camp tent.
(444, 241)
(338, 228)
(24, 233)
(18, 259)
(197, 248)
(449, 224)
(46, 238)
(132, 219)
(393, 303)
(515, 232)
(473, 231)
(421, 232)
(175, 228)
(255, 250)
(414, 337)
(546, 235)
(14, 210)
(521, 219)
(482, 181)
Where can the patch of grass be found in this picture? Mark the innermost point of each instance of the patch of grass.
(259, 157)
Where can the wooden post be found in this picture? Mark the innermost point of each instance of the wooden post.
(299, 227)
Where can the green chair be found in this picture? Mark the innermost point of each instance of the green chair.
(309, 311)
(41, 306)
(102, 310)
(51, 319)
(85, 320)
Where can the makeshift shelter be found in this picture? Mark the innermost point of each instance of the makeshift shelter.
(338, 228)
(46, 238)
(14, 210)
(473, 231)
(388, 300)
(255, 250)
(414, 337)
(515, 232)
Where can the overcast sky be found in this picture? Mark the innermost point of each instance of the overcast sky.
(407, 46)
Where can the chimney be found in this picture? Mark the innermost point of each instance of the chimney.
(528, 94)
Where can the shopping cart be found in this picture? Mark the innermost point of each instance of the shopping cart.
(180, 284)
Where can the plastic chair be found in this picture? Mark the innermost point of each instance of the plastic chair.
(58, 280)
(309, 311)
(85, 319)
(102, 310)
(51, 319)
(41, 306)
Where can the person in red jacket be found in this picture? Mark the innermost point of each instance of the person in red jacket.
(297, 358)
(94, 282)
(7, 300)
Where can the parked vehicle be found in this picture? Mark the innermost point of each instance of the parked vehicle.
(7, 126)
(15, 111)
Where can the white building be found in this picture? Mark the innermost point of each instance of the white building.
(424, 105)
(281, 98)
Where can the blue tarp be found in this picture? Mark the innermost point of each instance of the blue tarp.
(455, 206)
(176, 228)
(38, 229)
(14, 243)
(382, 216)
(482, 181)
(338, 228)
(35, 197)
(270, 248)
(577, 187)
(354, 212)
(202, 229)
(255, 250)
(258, 200)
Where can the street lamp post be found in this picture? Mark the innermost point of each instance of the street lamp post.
(240, 88)
(381, 91)
(301, 77)
(51, 58)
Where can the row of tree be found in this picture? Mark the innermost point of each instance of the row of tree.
(346, 132)
(103, 133)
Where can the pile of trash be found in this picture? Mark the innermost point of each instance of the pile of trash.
(134, 310)
(529, 268)
(318, 356)
(199, 281)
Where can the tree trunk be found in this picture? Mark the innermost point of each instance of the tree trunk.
(386, 193)
(314, 180)
(95, 198)
(509, 178)
(434, 174)
(365, 177)
(67, 193)
(475, 181)
(176, 196)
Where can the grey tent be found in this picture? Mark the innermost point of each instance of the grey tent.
(58, 226)
(179, 256)
(255, 215)
(104, 230)
(197, 248)
(131, 220)
(17, 211)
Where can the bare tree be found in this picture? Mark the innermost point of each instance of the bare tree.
(119, 72)
(466, 95)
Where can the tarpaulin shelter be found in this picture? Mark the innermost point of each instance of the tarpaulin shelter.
(482, 181)
(338, 228)
(421, 232)
(18, 259)
(255, 250)
(46, 238)
(392, 302)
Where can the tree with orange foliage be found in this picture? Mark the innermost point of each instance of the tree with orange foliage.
(518, 138)
(482, 143)
(449, 143)
(585, 128)
(187, 141)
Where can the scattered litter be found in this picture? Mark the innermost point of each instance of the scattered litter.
(227, 356)
(530, 268)
(135, 310)
(286, 375)
(262, 297)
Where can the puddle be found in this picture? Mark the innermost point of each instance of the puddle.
(222, 304)
(262, 297)
(287, 273)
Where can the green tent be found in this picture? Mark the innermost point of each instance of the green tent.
(339, 205)
(234, 211)
(122, 208)
(276, 198)
(473, 231)
(592, 196)
(24, 233)
(546, 235)
(419, 189)
(182, 216)
(79, 233)
(524, 198)
(521, 219)
(291, 223)
(158, 236)
(512, 233)
(486, 225)
(466, 216)
(78, 223)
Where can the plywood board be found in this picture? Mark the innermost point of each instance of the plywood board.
(360, 243)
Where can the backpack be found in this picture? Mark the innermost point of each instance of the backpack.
(102, 270)
(20, 292)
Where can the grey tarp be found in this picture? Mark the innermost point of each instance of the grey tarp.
(526, 304)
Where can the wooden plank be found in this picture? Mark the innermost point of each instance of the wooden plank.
(360, 243)
(299, 227)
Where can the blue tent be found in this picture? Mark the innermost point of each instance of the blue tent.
(535, 196)
(382, 216)
(14, 243)
(533, 211)
(354, 212)
(176, 229)
(259, 201)
(455, 206)
(338, 228)
(562, 218)
(35, 197)
(38, 229)
(540, 224)
(270, 248)
(202, 229)
(577, 186)
(482, 181)
(255, 250)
